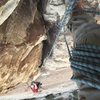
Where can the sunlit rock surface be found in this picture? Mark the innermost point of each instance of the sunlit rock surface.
(21, 37)
(54, 10)
(6, 8)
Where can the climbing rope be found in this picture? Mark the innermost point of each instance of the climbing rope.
(67, 45)
(85, 10)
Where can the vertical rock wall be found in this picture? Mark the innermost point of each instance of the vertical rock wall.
(21, 37)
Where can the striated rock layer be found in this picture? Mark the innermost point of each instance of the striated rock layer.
(21, 37)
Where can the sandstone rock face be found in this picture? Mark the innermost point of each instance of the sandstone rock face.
(6, 8)
(21, 37)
